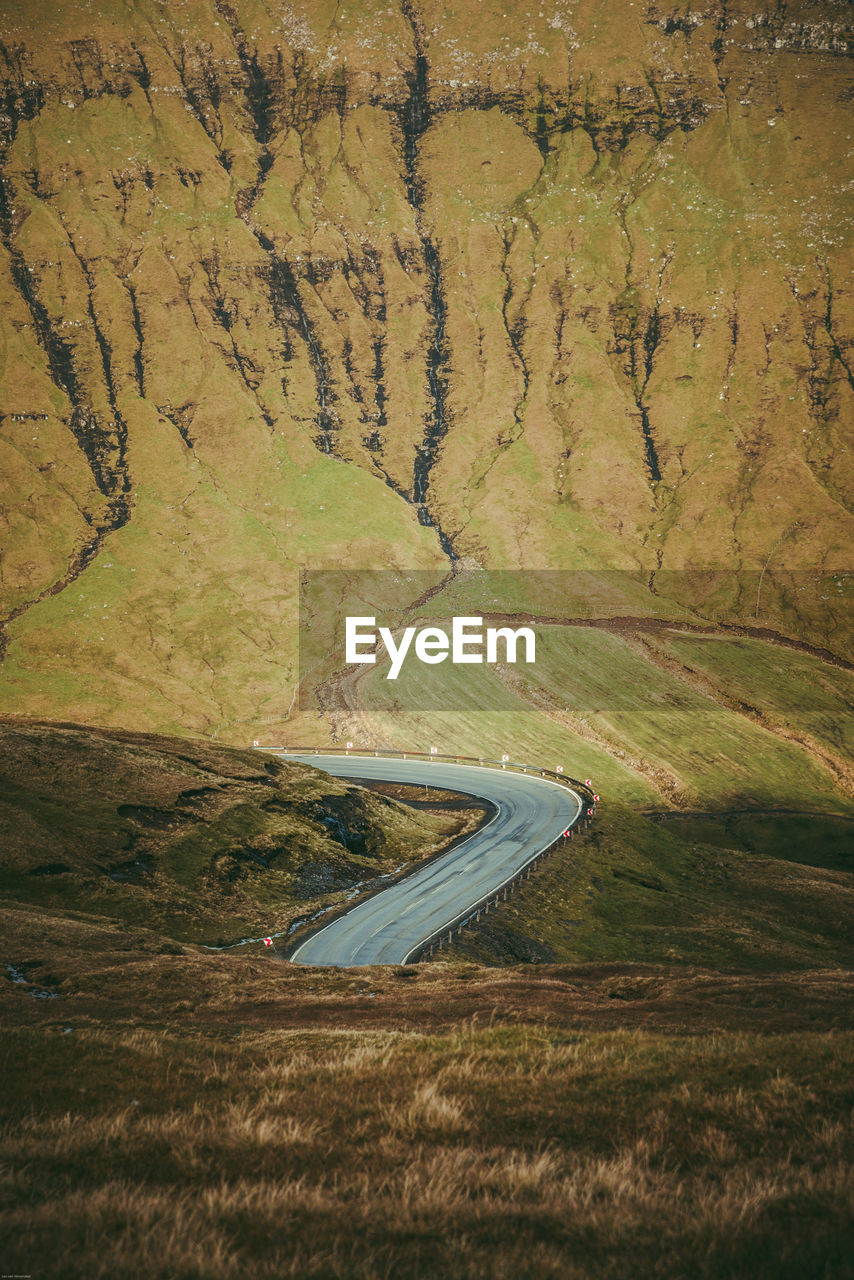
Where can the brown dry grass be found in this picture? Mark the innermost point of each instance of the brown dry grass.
(498, 1153)
(216, 1115)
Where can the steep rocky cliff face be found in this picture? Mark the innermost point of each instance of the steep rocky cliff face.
(295, 285)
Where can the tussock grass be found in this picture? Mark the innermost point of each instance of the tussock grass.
(480, 1153)
(429, 1111)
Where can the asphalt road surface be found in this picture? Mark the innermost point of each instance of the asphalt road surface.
(390, 926)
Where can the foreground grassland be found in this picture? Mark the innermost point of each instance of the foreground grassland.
(529, 1150)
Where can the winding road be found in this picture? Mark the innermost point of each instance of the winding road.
(392, 926)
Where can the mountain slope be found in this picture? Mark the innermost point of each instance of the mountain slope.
(287, 287)
(191, 840)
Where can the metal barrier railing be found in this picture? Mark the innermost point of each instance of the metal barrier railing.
(436, 940)
(472, 913)
(452, 757)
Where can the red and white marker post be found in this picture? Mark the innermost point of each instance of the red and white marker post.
(268, 942)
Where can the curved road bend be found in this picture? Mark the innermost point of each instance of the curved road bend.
(387, 928)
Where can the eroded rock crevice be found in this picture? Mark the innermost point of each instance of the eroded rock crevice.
(103, 444)
(283, 289)
(843, 359)
(136, 319)
(636, 339)
(225, 313)
(414, 118)
(200, 83)
(515, 330)
(290, 312)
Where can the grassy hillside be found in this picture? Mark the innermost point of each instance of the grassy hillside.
(188, 840)
(179, 1112)
(419, 286)
(724, 832)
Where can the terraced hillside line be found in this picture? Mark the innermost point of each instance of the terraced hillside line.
(621, 625)
(665, 781)
(339, 700)
(414, 117)
(701, 682)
